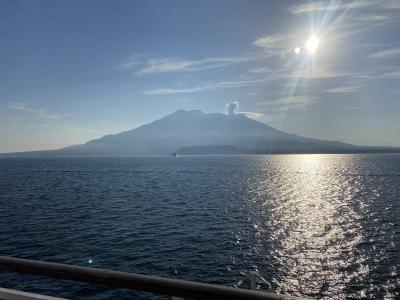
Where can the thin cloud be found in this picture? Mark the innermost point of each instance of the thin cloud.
(155, 66)
(344, 89)
(262, 70)
(388, 53)
(331, 15)
(269, 41)
(369, 18)
(132, 62)
(273, 44)
(253, 93)
(316, 6)
(322, 72)
(307, 72)
(318, 72)
(389, 74)
(383, 75)
(321, 6)
(393, 74)
(167, 65)
(388, 4)
(17, 106)
(288, 103)
(365, 22)
(41, 112)
(168, 91)
(206, 87)
(252, 115)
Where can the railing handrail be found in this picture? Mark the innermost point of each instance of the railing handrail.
(153, 284)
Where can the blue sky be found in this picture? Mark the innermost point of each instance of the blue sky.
(71, 71)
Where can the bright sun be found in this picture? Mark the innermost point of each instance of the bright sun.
(312, 44)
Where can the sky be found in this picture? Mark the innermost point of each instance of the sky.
(71, 71)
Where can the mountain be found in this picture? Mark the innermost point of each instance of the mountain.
(207, 149)
(194, 128)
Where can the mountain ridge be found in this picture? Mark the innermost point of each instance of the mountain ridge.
(183, 128)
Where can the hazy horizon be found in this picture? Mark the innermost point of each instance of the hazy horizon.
(73, 73)
(232, 108)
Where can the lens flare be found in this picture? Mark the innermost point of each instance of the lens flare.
(312, 44)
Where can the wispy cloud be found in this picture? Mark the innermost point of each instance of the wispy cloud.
(288, 103)
(253, 93)
(308, 71)
(265, 70)
(167, 91)
(344, 89)
(322, 72)
(252, 115)
(275, 44)
(388, 73)
(316, 6)
(165, 65)
(388, 53)
(206, 87)
(41, 112)
(321, 6)
(132, 62)
(17, 106)
(373, 18)
(392, 74)
(154, 66)
(387, 4)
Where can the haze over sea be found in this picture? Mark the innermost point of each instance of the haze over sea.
(322, 226)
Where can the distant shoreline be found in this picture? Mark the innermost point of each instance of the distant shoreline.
(194, 155)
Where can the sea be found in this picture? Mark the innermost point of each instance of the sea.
(318, 226)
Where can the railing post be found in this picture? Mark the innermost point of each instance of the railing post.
(253, 280)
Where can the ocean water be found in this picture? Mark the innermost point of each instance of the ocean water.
(321, 226)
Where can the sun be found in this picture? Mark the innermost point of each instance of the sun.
(312, 44)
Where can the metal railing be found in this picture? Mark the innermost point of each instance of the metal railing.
(7, 294)
(146, 283)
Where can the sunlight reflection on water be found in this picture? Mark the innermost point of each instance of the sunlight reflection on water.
(321, 226)
(312, 219)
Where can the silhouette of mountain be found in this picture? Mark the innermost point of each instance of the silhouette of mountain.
(183, 129)
(207, 149)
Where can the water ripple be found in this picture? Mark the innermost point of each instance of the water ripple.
(322, 226)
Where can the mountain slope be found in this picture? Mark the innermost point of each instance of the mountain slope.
(195, 128)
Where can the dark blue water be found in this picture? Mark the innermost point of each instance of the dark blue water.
(322, 226)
